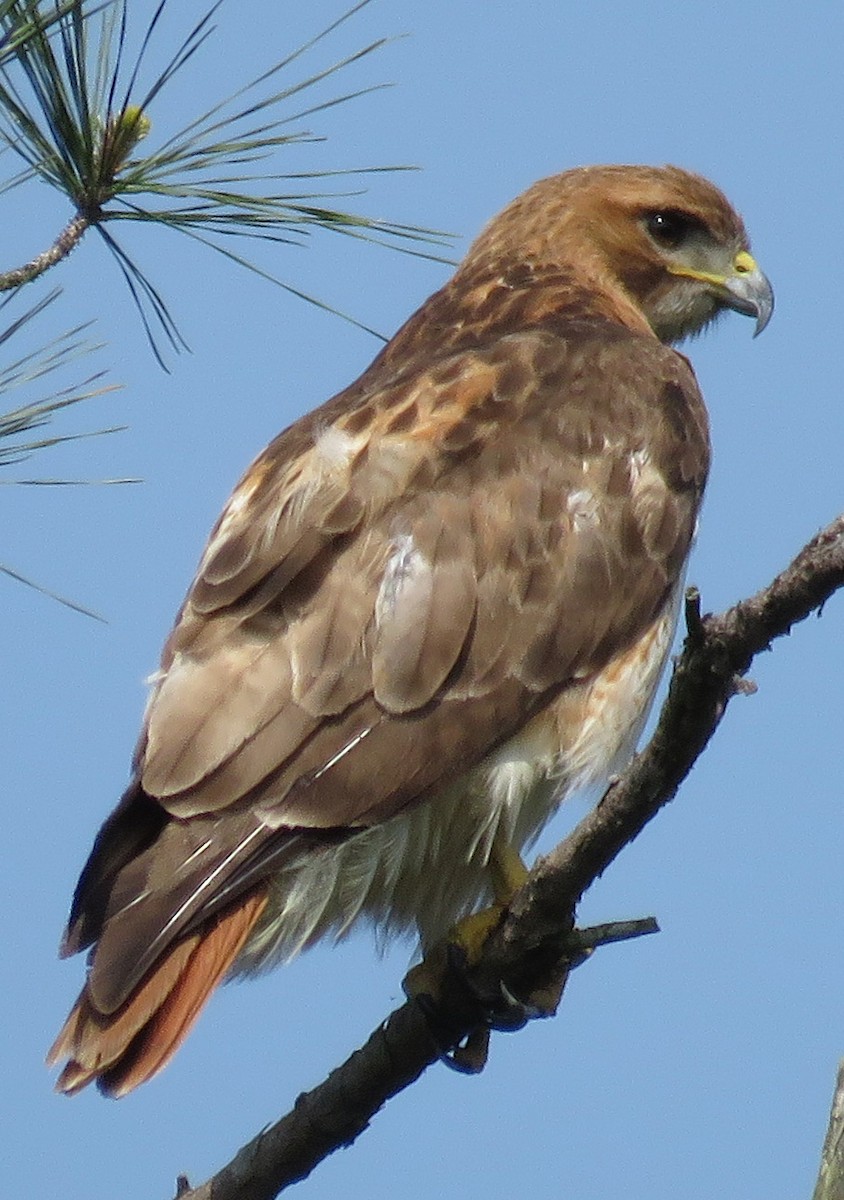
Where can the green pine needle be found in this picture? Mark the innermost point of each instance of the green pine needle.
(22, 428)
(18, 425)
(81, 116)
(45, 591)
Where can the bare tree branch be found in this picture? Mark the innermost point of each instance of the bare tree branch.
(830, 1185)
(68, 240)
(535, 945)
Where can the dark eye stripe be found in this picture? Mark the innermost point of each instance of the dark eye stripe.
(670, 228)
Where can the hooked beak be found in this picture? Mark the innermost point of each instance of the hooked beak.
(747, 290)
(743, 288)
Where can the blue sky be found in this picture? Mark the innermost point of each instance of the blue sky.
(697, 1063)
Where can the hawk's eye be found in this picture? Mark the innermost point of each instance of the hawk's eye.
(669, 228)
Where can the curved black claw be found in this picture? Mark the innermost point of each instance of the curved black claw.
(502, 1010)
(452, 997)
(470, 1056)
(510, 1013)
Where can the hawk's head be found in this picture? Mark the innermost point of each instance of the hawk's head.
(667, 239)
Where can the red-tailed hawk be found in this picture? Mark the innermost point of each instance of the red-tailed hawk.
(431, 609)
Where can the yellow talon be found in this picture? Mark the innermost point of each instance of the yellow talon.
(471, 933)
(508, 871)
(468, 935)
(426, 981)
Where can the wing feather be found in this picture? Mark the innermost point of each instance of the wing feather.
(401, 581)
(424, 607)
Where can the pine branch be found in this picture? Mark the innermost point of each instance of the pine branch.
(536, 941)
(68, 240)
(78, 111)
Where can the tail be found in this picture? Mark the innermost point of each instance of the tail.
(125, 1048)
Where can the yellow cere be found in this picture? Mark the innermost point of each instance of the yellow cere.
(744, 263)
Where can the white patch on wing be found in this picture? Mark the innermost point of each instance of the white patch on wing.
(328, 463)
(405, 567)
(646, 481)
(335, 449)
(583, 508)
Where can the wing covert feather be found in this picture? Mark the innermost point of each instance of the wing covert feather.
(424, 605)
(474, 537)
